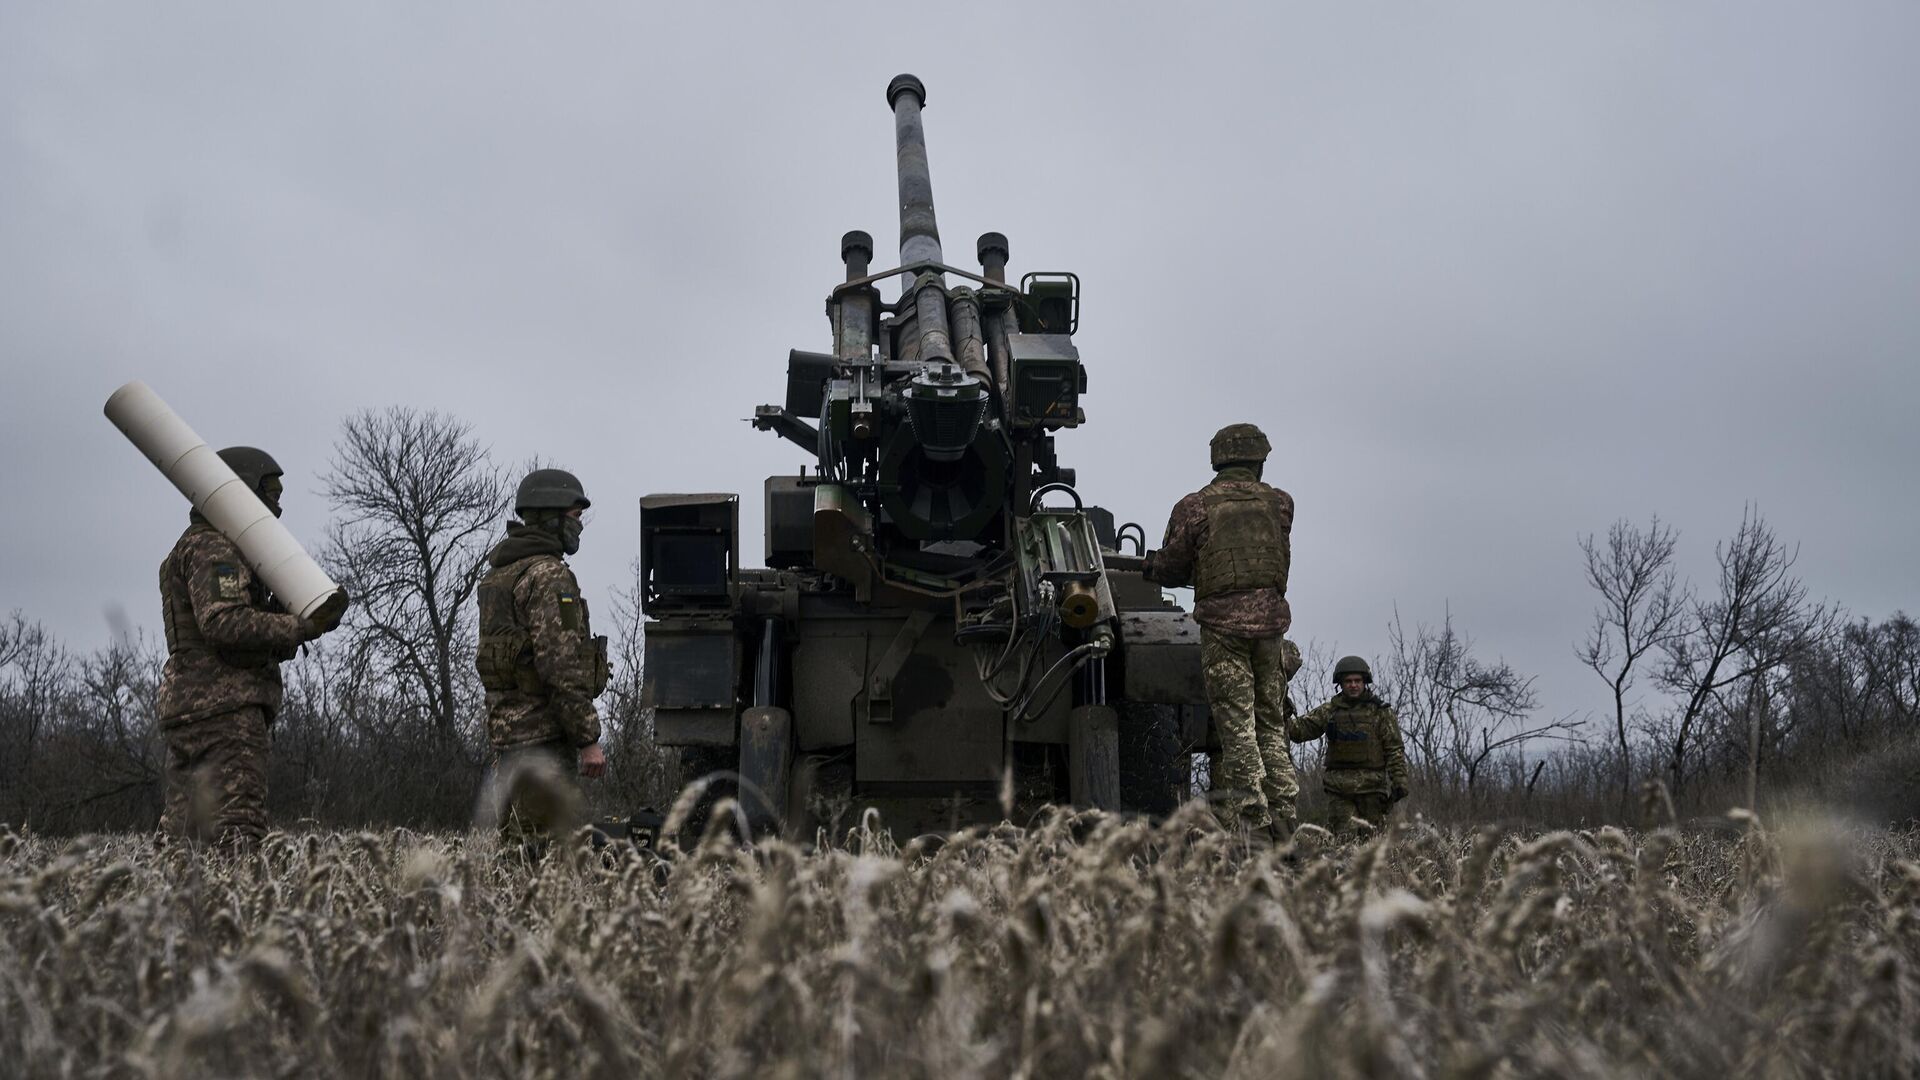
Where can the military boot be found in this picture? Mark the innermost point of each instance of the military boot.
(1280, 830)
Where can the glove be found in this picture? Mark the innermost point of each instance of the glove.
(1398, 793)
(1146, 565)
(327, 619)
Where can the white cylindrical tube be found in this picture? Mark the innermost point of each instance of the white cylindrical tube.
(223, 499)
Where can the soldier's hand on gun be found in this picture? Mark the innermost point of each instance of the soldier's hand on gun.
(593, 761)
(1398, 793)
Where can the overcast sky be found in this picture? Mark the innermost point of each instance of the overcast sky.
(1492, 274)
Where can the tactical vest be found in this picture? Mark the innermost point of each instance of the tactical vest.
(183, 629)
(1354, 743)
(504, 658)
(1247, 544)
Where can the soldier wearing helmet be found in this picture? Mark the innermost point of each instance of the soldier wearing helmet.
(1231, 541)
(539, 661)
(226, 638)
(1366, 764)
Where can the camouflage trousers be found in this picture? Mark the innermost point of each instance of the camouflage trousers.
(1247, 693)
(1342, 809)
(216, 777)
(535, 796)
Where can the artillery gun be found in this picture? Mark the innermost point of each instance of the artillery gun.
(939, 612)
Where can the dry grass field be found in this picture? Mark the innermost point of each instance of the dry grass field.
(1081, 946)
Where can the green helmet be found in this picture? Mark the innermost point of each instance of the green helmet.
(1289, 657)
(1352, 665)
(1239, 442)
(550, 489)
(251, 465)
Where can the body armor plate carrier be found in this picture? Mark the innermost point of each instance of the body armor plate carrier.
(505, 655)
(1355, 745)
(1247, 545)
(504, 658)
(183, 629)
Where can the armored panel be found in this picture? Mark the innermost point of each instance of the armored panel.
(1133, 592)
(1103, 526)
(939, 725)
(693, 727)
(789, 522)
(1046, 376)
(901, 692)
(1162, 650)
(829, 665)
(807, 375)
(692, 670)
(689, 550)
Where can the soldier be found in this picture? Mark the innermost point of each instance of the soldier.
(1290, 661)
(1232, 541)
(226, 639)
(540, 662)
(1366, 761)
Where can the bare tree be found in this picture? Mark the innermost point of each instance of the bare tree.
(1641, 609)
(642, 773)
(116, 719)
(1457, 711)
(35, 679)
(1759, 619)
(1890, 654)
(417, 496)
(626, 716)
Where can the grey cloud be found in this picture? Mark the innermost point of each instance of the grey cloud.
(1496, 275)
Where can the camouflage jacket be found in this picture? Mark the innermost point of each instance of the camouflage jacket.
(1249, 613)
(533, 598)
(1364, 753)
(226, 636)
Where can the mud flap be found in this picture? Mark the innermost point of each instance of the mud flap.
(1093, 756)
(766, 766)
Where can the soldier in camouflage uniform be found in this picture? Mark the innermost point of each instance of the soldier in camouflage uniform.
(1366, 761)
(226, 639)
(1232, 541)
(540, 662)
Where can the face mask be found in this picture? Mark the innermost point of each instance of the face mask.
(270, 490)
(570, 529)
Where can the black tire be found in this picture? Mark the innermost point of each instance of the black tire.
(1154, 768)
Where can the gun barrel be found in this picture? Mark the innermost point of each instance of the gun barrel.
(919, 233)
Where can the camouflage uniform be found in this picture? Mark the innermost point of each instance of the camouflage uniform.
(1366, 761)
(221, 687)
(542, 667)
(1241, 648)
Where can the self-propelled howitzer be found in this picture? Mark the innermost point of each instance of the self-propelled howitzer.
(939, 614)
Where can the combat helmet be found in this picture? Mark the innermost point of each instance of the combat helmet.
(550, 489)
(1352, 665)
(1290, 659)
(1239, 442)
(251, 465)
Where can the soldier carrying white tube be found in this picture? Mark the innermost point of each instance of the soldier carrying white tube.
(226, 638)
(239, 595)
